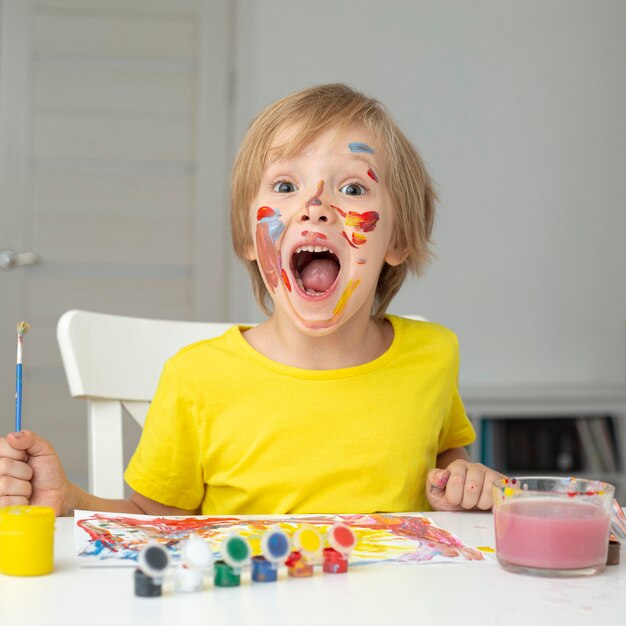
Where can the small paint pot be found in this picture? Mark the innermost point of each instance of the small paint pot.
(188, 580)
(196, 553)
(334, 562)
(146, 586)
(263, 571)
(236, 551)
(298, 566)
(275, 545)
(612, 557)
(154, 560)
(308, 541)
(342, 538)
(225, 575)
(26, 540)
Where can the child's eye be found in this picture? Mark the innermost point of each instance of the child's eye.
(353, 189)
(284, 187)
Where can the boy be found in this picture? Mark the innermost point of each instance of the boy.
(328, 406)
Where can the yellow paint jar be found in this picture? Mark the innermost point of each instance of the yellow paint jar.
(26, 540)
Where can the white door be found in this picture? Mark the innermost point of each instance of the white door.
(114, 156)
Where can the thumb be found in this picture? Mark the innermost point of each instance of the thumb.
(437, 481)
(30, 442)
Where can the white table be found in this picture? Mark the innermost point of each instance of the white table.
(464, 594)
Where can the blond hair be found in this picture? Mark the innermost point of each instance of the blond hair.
(311, 112)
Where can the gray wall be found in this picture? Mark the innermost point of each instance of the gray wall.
(518, 109)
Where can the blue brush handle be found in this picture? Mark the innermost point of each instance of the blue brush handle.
(18, 397)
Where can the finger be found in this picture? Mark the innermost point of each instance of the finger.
(456, 483)
(13, 501)
(436, 490)
(15, 469)
(486, 497)
(13, 487)
(473, 488)
(31, 443)
(7, 450)
(437, 480)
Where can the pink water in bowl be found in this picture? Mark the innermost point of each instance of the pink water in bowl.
(552, 533)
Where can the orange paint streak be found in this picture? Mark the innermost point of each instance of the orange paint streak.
(286, 279)
(359, 240)
(365, 221)
(343, 234)
(342, 213)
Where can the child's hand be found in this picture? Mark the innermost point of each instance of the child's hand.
(31, 472)
(461, 486)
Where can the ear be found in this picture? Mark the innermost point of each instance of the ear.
(250, 253)
(395, 255)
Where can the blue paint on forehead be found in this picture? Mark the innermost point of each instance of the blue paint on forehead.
(360, 147)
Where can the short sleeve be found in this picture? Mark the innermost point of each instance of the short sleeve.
(457, 430)
(166, 464)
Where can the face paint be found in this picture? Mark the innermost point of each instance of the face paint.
(360, 147)
(268, 230)
(365, 222)
(315, 199)
(345, 296)
(332, 255)
(285, 279)
(314, 238)
(271, 217)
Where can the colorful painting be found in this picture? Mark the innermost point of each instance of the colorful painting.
(114, 539)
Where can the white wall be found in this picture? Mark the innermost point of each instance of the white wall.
(518, 110)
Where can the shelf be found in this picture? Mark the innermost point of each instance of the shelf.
(594, 448)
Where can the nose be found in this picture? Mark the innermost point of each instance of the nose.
(316, 209)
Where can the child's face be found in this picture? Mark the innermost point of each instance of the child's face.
(322, 223)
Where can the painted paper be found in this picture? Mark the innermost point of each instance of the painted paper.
(104, 539)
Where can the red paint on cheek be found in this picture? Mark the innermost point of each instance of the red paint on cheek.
(357, 239)
(286, 279)
(264, 211)
(366, 221)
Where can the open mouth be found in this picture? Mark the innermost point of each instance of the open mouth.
(315, 269)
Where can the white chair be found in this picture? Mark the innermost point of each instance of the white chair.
(115, 362)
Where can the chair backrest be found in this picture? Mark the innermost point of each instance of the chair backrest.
(115, 362)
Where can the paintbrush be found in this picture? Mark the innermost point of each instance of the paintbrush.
(618, 523)
(22, 329)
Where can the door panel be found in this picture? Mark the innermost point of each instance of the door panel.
(101, 104)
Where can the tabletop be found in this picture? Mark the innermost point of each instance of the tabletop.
(468, 593)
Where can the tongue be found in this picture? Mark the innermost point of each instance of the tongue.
(319, 274)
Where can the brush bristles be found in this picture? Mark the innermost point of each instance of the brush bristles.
(22, 328)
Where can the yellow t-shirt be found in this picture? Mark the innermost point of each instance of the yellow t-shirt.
(232, 432)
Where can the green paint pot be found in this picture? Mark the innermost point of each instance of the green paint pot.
(225, 575)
